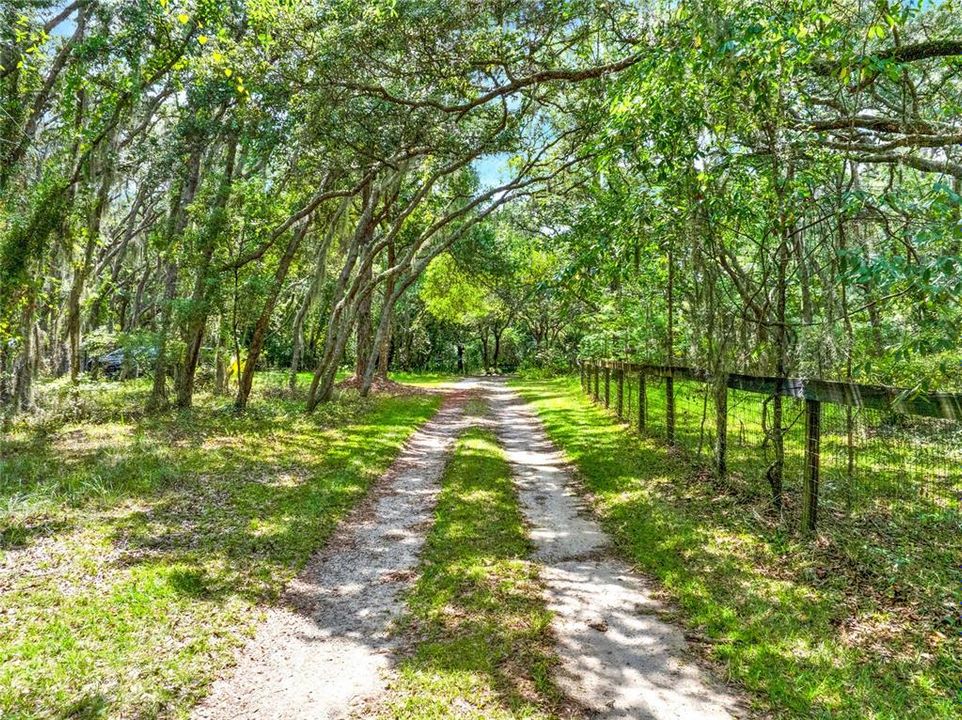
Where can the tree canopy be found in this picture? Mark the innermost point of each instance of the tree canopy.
(254, 183)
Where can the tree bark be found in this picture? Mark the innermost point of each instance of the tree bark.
(341, 318)
(310, 296)
(23, 385)
(669, 381)
(220, 366)
(364, 330)
(263, 322)
(176, 223)
(497, 347)
(217, 220)
(384, 348)
(82, 272)
(484, 349)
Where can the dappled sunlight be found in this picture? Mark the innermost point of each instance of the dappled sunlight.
(161, 534)
(780, 632)
(477, 604)
(337, 612)
(617, 654)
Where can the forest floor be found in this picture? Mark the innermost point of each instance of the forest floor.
(274, 564)
(516, 609)
(138, 551)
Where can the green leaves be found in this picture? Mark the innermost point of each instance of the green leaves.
(450, 295)
(876, 31)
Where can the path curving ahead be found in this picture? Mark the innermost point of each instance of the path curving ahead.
(618, 658)
(324, 650)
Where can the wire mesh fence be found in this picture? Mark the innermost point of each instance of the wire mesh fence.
(872, 459)
(751, 446)
(852, 451)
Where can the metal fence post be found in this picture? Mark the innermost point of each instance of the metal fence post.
(642, 402)
(607, 385)
(721, 427)
(620, 404)
(670, 409)
(597, 371)
(813, 422)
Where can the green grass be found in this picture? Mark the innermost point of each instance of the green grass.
(815, 629)
(483, 647)
(137, 548)
(424, 379)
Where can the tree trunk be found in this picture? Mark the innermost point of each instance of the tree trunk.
(364, 330)
(136, 306)
(384, 349)
(260, 328)
(670, 349)
(176, 223)
(81, 273)
(216, 222)
(115, 258)
(302, 312)
(382, 338)
(777, 469)
(220, 366)
(23, 383)
(484, 349)
(158, 395)
(341, 318)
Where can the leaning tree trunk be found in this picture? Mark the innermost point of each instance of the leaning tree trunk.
(216, 222)
(310, 296)
(137, 304)
(176, 223)
(341, 319)
(260, 328)
(81, 274)
(322, 386)
(114, 258)
(382, 338)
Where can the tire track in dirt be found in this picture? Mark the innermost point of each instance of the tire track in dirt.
(618, 658)
(324, 649)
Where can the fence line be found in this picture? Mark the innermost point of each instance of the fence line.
(914, 435)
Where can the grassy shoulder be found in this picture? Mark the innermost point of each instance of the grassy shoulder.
(483, 644)
(774, 610)
(137, 548)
